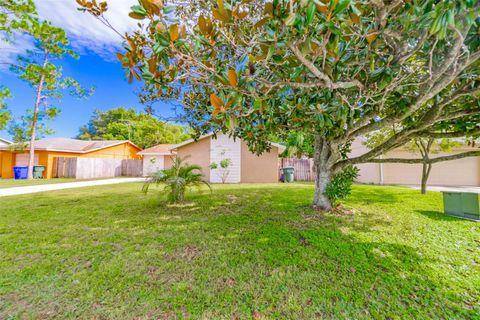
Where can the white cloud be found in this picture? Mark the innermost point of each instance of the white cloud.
(10, 50)
(84, 31)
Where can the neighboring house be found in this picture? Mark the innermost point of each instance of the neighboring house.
(47, 150)
(462, 172)
(156, 158)
(245, 166)
(3, 144)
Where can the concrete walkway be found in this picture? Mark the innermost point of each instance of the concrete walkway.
(61, 186)
(449, 188)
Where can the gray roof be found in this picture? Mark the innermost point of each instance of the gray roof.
(280, 147)
(5, 141)
(74, 145)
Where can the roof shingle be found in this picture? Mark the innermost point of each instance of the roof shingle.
(74, 145)
(158, 149)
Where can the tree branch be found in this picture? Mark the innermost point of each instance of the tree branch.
(322, 76)
(447, 135)
(312, 85)
(430, 161)
(440, 80)
(384, 10)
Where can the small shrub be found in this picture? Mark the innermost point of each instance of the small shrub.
(224, 170)
(225, 163)
(341, 185)
(177, 179)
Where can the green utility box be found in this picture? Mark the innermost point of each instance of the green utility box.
(464, 205)
(288, 174)
(38, 172)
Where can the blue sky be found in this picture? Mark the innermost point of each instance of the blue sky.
(112, 90)
(97, 66)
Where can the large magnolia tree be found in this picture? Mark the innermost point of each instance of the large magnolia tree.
(335, 70)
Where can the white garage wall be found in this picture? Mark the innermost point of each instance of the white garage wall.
(225, 148)
(152, 164)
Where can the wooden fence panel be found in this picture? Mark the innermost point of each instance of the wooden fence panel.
(132, 168)
(64, 167)
(91, 168)
(303, 168)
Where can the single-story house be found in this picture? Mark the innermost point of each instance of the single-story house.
(47, 150)
(461, 172)
(4, 142)
(245, 166)
(157, 158)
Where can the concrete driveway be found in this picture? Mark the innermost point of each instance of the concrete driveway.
(449, 188)
(61, 186)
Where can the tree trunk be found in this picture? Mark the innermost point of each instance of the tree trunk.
(33, 128)
(427, 167)
(425, 147)
(323, 166)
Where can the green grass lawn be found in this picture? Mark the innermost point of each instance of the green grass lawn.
(11, 183)
(244, 251)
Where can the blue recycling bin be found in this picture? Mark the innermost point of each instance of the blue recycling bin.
(20, 173)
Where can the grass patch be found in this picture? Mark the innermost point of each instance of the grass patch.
(243, 251)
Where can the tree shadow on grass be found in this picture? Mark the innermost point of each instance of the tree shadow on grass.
(326, 272)
(223, 261)
(275, 269)
(367, 196)
(440, 216)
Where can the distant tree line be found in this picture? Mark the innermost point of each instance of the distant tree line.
(127, 124)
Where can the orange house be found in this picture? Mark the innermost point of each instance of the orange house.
(47, 150)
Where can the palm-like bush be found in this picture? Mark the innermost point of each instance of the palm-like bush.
(177, 179)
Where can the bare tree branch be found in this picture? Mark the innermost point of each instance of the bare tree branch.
(322, 76)
(430, 161)
(447, 135)
(441, 78)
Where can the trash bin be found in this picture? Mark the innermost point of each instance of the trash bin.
(464, 205)
(288, 174)
(20, 173)
(38, 172)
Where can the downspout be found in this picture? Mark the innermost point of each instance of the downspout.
(381, 171)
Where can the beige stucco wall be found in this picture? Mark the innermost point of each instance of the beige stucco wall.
(369, 172)
(168, 161)
(199, 154)
(464, 172)
(259, 169)
(450, 173)
(253, 168)
(152, 164)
